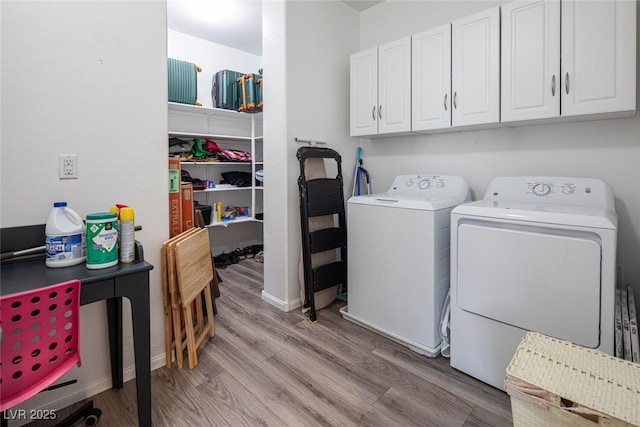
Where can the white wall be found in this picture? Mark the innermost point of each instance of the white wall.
(87, 78)
(306, 48)
(606, 149)
(211, 57)
(276, 227)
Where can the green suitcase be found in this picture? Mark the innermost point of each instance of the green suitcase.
(225, 90)
(251, 87)
(183, 81)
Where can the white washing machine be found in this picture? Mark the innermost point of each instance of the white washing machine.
(398, 258)
(536, 254)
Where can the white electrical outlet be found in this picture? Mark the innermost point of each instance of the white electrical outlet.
(68, 166)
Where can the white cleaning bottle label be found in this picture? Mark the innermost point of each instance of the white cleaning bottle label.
(65, 241)
(65, 247)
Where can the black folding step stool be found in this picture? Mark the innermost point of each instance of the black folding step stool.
(319, 197)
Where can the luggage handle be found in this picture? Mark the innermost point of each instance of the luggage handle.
(260, 103)
(245, 106)
(249, 105)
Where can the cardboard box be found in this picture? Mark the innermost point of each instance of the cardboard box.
(175, 205)
(557, 383)
(187, 205)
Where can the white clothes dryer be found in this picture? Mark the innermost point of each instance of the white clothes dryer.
(398, 258)
(536, 254)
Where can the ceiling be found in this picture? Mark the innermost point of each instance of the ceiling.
(361, 5)
(232, 23)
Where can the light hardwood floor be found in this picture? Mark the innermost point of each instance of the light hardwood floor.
(266, 367)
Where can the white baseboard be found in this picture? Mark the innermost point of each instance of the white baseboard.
(285, 306)
(158, 361)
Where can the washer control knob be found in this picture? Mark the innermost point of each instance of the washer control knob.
(424, 184)
(541, 189)
(567, 189)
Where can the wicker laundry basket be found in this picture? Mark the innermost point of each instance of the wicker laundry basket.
(557, 383)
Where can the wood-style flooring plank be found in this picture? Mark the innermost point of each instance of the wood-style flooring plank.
(436, 408)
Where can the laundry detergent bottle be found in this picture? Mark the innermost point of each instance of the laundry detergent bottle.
(65, 239)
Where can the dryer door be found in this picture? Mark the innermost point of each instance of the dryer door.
(533, 278)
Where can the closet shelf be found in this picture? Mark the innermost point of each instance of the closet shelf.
(186, 162)
(214, 137)
(213, 190)
(230, 130)
(206, 111)
(234, 221)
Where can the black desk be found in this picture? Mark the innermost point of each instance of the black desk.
(130, 281)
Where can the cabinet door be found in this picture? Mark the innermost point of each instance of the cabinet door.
(530, 60)
(364, 93)
(476, 69)
(394, 87)
(431, 79)
(598, 56)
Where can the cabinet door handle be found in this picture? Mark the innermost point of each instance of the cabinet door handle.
(373, 112)
(445, 101)
(566, 82)
(455, 98)
(553, 85)
(380, 111)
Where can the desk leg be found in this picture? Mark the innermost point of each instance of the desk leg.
(136, 289)
(114, 316)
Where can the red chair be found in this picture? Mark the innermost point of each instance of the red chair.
(40, 343)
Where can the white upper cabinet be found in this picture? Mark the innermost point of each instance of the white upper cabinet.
(364, 92)
(596, 72)
(598, 56)
(476, 69)
(530, 60)
(394, 86)
(381, 89)
(527, 60)
(431, 79)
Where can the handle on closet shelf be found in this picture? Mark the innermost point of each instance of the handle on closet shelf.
(553, 85)
(445, 101)
(373, 112)
(380, 111)
(566, 82)
(455, 99)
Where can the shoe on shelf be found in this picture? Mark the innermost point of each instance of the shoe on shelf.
(259, 257)
(248, 252)
(256, 249)
(239, 253)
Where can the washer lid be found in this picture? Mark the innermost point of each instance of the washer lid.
(425, 203)
(420, 191)
(547, 213)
